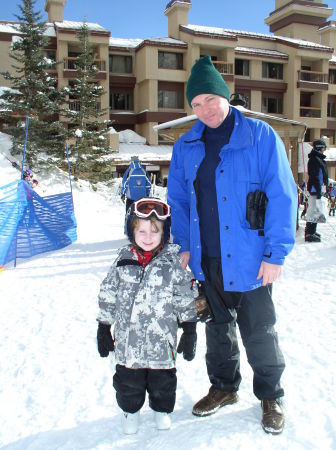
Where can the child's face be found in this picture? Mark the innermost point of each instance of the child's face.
(148, 236)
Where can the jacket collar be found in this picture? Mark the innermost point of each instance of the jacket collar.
(241, 134)
(317, 154)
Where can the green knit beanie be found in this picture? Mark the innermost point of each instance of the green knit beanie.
(205, 79)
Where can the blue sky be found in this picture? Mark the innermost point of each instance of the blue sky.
(141, 19)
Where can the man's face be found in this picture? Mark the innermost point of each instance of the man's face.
(211, 109)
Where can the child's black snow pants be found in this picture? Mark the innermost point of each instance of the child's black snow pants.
(131, 386)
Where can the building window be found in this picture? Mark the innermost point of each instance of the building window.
(242, 67)
(271, 103)
(170, 95)
(272, 70)
(120, 64)
(168, 60)
(121, 100)
(331, 111)
(170, 99)
(332, 76)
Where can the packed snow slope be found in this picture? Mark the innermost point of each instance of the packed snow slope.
(56, 392)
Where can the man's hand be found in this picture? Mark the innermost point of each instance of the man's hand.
(269, 272)
(184, 257)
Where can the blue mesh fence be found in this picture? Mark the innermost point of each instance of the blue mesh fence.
(30, 224)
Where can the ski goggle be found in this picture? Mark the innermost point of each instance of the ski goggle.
(144, 208)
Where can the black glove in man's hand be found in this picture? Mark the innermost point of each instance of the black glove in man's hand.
(104, 340)
(202, 306)
(256, 203)
(188, 340)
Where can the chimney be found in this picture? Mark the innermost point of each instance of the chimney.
(177, 13)
(54, 9)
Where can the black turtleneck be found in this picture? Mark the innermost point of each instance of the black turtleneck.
(215, 139)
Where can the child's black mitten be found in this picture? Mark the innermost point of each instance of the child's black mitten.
(104, 340)
(188, 340)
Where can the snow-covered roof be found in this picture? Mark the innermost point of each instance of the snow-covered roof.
(186, 119)
(166, 40)
(262, 51)
(133, 43)
(234, 33)
(69, 24)
(8, 28)
(131, 137)
(333, 59)
(50, 31)
(128, 43)
(208, 30)
(173, 123)
(330, 24)
(13, 28)
(303, 43)
(145, 152)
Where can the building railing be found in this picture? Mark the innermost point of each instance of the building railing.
(313, 77)
(224, 67)
(309, 111)
(75, 105)
(70, 64)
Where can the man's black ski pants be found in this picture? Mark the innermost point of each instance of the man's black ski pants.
(254, 313)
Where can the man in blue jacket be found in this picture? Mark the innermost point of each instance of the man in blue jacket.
(233, 202)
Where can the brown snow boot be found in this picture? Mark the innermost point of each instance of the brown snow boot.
(214, 400)
(273, 419)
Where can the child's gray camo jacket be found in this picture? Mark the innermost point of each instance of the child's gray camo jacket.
(144, 304)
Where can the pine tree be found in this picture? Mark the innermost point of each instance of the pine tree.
(88, 134)
(34, 91)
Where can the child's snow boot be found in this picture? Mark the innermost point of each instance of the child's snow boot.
(162, 420)
(131, 423)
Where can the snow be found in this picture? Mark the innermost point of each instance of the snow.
(56, 392)
(129, 43)
(261, 51)
(69, 24)
(130, 136)
(233, 33)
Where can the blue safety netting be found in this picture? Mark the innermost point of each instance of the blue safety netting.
(31, 224)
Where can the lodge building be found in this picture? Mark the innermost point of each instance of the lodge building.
(289, 73)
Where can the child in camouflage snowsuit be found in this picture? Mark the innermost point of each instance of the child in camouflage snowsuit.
(146, 295)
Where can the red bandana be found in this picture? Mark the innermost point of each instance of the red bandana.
(143, 257)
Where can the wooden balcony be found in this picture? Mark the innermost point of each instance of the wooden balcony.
(75, 105)
(70, 64)
(313, 77)
(309, 111)
(223, 67)
(308, 79)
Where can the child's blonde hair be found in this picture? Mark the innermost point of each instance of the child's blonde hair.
(154, 223)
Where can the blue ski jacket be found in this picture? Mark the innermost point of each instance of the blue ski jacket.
(254, 159)
(135, 183)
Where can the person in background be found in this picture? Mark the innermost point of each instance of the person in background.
(146, 295)
(234, 205)
(135, 183)
(317, 183)
(332, 205)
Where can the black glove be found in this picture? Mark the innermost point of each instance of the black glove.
(203, 310)
(256, 203)
(104, 340)
(187, 344)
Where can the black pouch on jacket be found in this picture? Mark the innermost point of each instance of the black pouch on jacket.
(256, 203)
